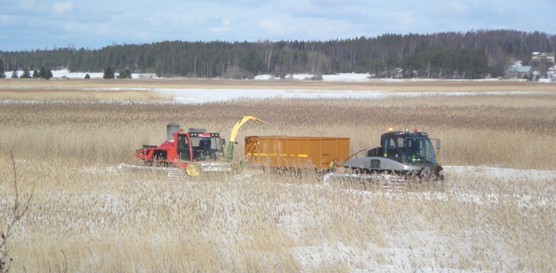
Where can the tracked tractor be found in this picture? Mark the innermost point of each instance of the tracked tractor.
(402, 155)
(195, 151)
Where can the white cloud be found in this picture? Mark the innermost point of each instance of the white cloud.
(271, 25)
(224, 27)
(403, 20)
(59, 8)
(28, 4)
(6, 20)
(102, 22)
(458, 7)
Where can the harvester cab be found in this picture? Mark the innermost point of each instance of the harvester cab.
(197, 145)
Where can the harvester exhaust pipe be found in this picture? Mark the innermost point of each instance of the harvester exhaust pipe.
(171, 129)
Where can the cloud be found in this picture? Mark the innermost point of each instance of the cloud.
(59, 8)
(403, 20)
(103, 22)
(271, 25)
(458, 8)
(224, 27)
(6, 20)
(28, 4)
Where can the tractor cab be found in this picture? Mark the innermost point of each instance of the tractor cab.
(197, 145)
(408, 147)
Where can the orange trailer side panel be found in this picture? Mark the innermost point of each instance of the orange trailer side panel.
(296, 152)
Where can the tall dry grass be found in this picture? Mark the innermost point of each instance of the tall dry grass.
(98, 217)
(513, 134)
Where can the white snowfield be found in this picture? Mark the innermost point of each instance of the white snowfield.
(452, 172)
(66, 74)
(201, 96)
(432, 248)
(408, 251)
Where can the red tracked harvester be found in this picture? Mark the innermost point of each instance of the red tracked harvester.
(194, 151)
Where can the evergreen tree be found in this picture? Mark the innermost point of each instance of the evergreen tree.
(45, 73)
(15, 74)
(87, 77)
(437, 55)
(36, 74)
(108, 73)
(26, 74)
(2, 73)
(124, 74)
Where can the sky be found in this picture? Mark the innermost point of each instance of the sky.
(45, 24)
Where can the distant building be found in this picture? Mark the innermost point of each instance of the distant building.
(542, 57)
(519, 71)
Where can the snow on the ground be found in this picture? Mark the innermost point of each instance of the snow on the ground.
(219, 95)
(66, 74)
(194, 96)
(199, 96)
(501, 173)
(339, 77)
(419, 250)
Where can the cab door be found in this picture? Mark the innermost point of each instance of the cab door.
(183, 145)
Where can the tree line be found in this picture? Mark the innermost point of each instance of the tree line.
(473, 54)
(43, 73)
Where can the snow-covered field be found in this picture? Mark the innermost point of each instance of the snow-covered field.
(204, 95)
(187, 96)
(422, 245)
(339, 77)
(483, 219)
(201, 96)
(66, 74)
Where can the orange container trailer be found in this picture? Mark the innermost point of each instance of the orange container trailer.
(320, 153)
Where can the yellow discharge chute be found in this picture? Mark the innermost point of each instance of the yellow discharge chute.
(235, 130)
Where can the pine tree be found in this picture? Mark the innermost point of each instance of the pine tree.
(15, 75)
(124, 74)
(108, 73)
(45, 73)
(26, 74)
(42, 73)
(87, 77)
(2, 74)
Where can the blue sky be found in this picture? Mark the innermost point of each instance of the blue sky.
(44, 24)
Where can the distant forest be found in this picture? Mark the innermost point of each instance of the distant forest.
(474, 54)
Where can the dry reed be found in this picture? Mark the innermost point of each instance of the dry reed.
(105, 218)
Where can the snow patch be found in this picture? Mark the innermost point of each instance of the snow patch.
(66, 74)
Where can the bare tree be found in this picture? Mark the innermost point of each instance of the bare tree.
(18, 211)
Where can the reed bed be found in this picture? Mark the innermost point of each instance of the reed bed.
(91, 215)
(475, 134)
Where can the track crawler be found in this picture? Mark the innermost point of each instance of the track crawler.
(402, 156)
